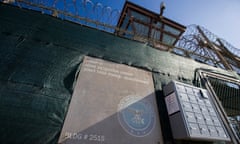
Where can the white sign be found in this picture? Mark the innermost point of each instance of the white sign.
(172, 103)
(112, 104)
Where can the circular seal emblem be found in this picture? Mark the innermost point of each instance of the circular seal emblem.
(136, 116)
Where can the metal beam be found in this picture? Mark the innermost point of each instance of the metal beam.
(229, 53)
(214, 48)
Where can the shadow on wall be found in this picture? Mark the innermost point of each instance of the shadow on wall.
(134, 122)
(112, 103)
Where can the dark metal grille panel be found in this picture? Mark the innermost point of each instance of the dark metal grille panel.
(229, 95)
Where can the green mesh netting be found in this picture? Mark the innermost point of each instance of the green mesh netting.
(39, 58)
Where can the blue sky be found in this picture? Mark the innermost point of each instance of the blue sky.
(221, 17)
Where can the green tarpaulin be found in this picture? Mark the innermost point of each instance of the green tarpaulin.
(39, 59)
